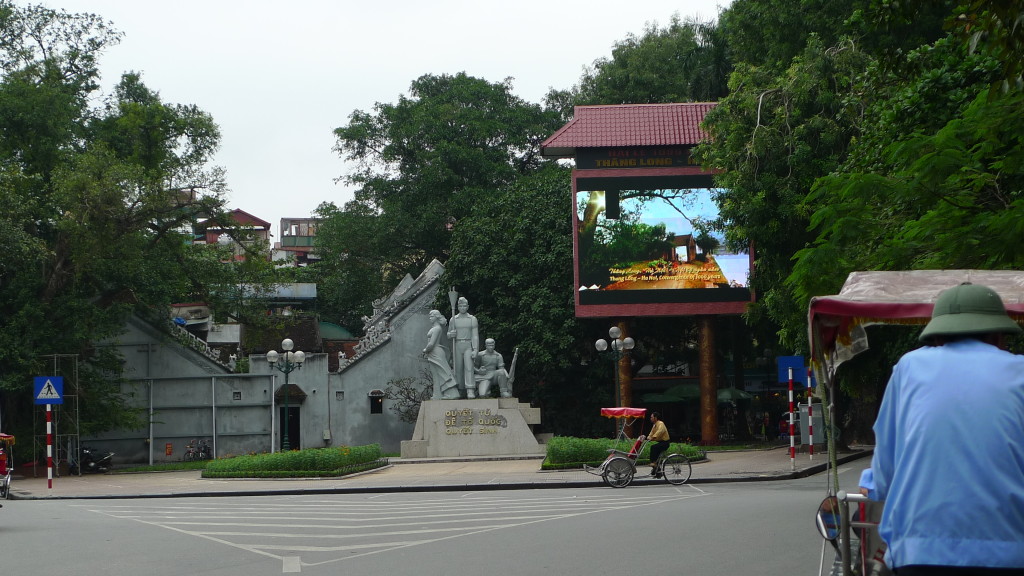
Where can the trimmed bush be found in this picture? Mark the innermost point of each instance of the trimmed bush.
(314, 462)
(568, 452)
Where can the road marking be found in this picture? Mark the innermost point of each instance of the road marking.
(325, 530)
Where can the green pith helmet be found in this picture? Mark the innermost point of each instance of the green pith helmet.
(969, 309)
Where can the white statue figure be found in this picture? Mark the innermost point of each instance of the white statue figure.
(440, 371)
(464, 328)
(490, 370)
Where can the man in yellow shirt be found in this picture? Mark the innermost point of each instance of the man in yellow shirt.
(659, 442)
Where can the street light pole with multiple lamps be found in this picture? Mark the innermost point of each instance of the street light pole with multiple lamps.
(619, 348)
(286, 363)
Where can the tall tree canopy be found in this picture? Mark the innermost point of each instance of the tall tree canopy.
(935, 178)
(96, 204)
(423, 164)
(860, 135)
(797, 105)
(686, 61)
(888, 142)
(513, 258)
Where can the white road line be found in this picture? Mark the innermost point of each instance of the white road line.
(347, 521)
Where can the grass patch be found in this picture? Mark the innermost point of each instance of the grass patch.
(314, 462)
(566, 452)
(311, 463)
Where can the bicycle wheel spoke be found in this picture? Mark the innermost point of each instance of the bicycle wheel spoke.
(618, 473)
(676, 469)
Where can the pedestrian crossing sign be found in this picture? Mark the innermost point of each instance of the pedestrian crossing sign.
(48, 389)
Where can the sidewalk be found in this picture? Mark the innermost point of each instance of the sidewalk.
(420, 475)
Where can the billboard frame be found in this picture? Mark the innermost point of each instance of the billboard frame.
(652, 302)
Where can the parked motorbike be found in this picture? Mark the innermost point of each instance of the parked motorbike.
(205, 450)
(92, 461)
(198, 451)
(191, 453)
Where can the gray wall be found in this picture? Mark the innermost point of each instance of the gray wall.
(186, 395)
(397, 357)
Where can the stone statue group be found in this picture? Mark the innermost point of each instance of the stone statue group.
(473, 373)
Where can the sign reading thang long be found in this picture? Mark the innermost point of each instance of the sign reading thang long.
(640, 157)
(481, 427)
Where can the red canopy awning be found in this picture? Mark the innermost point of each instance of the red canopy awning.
(623, 412)
(836, 323)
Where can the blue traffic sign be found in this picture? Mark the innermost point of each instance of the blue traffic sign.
(799, 370)
(48, 389)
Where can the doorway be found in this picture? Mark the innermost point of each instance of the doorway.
(294, 426)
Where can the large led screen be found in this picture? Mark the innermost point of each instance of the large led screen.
(655, 256)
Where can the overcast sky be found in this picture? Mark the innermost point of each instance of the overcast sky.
(279, 77)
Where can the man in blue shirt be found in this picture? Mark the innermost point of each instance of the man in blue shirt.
(949, 444)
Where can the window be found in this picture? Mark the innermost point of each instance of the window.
(376, 401)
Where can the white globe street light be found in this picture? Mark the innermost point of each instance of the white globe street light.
(620, 347)
(291, 361)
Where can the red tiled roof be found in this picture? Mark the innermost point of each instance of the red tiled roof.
(243, 217)
(623, 125)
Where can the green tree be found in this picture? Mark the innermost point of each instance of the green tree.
(357, 262)
(423, 164)
(514, 261)
(772, 138)
(96, 206)
(933, 179)
(770, 34)
(923, 171)
(686, 61)
(994, 27)
(949, 199)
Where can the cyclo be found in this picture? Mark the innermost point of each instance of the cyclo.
(836, 330)
(619, 468)
(6, 465)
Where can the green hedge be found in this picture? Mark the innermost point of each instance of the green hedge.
(314, 462)
(568, 452)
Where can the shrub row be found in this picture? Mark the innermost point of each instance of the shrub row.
(568, 452)
(314, 462)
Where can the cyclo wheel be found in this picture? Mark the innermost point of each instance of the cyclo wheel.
(618, 473)
(676, 469)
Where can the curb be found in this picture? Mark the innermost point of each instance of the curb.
(803, 473)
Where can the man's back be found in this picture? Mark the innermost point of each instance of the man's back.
(949, 460)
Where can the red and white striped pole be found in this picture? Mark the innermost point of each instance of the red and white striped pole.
(49, 447)
(810, 417)
(792, 425)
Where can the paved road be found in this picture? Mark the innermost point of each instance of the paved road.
(764, 528)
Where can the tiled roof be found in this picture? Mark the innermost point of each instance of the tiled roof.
(243, 217)
(623, 125)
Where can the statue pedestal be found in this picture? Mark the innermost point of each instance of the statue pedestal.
(480, 427)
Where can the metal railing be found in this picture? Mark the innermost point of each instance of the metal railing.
(870, 549)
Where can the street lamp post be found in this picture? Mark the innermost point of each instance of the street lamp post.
(620, 347)
(286, 363)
